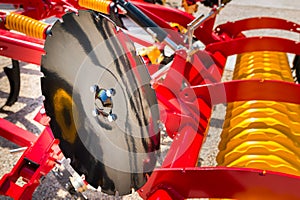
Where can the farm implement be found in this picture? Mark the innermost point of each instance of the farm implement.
(117, 74)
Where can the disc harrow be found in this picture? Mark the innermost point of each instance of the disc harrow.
(117, 74)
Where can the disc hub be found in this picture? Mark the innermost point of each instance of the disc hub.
(103, 103)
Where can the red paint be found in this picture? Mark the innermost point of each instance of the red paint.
(185, 111)
(221, 182)
(37, 160)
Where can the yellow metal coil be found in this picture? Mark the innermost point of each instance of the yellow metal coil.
(262, 134)
(26, 25)
(102, 6)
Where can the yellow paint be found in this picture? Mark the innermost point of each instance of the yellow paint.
(153, 53)
(189, 8)
(26, 25)
(97, 5)
(180, 28)
(65, 107)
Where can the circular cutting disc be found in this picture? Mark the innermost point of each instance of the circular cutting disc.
(87, 51)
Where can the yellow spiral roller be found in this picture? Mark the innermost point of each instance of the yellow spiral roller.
(262, 134)
(26, 25)
(102, 6)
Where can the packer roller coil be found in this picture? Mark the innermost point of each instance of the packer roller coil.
(261, 134)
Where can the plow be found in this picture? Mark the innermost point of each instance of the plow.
(118, 74)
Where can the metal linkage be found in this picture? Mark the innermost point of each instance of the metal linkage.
(196, 23)
(37, 160)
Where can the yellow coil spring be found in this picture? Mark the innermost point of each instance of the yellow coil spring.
(262, 134)
(26, 25)
(102, 6)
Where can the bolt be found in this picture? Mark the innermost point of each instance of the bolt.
(43, 111)
(110, 92)
(95, 113)
(93, 88)
(161, 126)
(112, 117)
(2, 48)
(263, 173)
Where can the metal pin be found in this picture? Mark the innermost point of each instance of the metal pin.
(17, 150)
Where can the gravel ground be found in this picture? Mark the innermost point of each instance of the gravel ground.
(30, 101)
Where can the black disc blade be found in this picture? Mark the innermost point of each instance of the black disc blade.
(112, 140)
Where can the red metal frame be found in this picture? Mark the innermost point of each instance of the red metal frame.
(20, 47)
(38, 159)
(219, 182)
(185, 113)
(39, 9)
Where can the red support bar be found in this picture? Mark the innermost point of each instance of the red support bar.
(15, 134)
(21, 47)
(246, 90)
(184, 150)
(233, 29)
(242, 45)
(168, 14)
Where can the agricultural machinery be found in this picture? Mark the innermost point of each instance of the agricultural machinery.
(116, 74)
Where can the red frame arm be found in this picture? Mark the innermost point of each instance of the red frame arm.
(234, 29)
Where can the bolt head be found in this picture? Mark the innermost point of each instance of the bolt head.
(43, 111)
(111, 117)
(95, 113)
(110, 92)
(93, 88)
